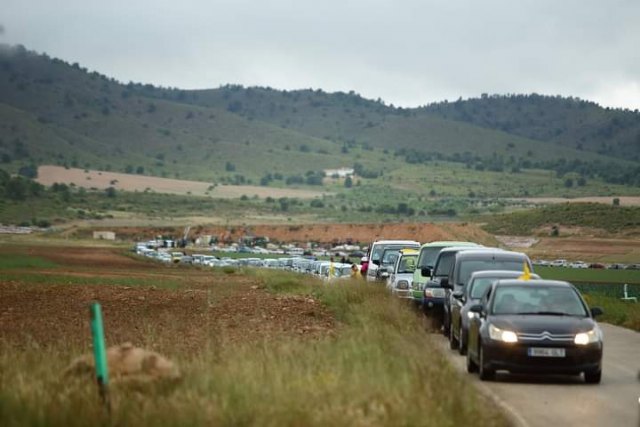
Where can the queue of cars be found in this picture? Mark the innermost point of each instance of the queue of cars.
(326, 270)
(496, 311)
(487, 301)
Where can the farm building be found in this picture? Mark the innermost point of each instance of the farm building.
(339, 173)
(104, 235)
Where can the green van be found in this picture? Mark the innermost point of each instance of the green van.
(426, 260)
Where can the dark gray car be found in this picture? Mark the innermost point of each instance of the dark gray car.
(468, 262)
(470, 295)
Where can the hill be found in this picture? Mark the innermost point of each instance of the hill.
(57, 113)
(569, 122)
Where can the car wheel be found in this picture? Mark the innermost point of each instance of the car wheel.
(486, 374)
(593, 377)
(453, 342)
(471, 365)
(462, 342)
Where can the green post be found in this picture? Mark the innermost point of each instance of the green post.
(100, 353)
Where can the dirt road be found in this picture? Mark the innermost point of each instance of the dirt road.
(567, 401)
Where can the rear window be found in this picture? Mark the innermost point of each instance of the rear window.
(470, 266)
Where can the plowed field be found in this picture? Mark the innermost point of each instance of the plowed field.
(43, 307)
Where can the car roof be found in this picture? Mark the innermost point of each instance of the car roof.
(506, 274)
(446, 244)
(395, 242)
(466, 248)
(533, 282)
(408, 252)
(490, 252)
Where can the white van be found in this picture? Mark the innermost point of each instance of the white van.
(378, 247)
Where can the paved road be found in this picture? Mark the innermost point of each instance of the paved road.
(567, 401)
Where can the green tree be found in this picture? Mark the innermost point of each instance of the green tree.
(348, 182)
(16, 189)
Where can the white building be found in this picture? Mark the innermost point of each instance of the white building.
(340, 173)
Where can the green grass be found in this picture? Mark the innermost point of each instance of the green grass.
(378, 368)
(604, 289)
(616, 311)
(593, 215)
(589, 275)
(18, 261)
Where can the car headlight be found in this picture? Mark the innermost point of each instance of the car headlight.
(502, 335)
(402, 284)
(584, 338)
(434, 292)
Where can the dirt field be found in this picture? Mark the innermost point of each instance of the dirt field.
(322, 233)
(48, 175)
(587, 249)
(229, 308)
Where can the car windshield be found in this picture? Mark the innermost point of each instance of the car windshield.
(470, 266)
(407, 264)
(538, 299)
(478, 287)
(378, 250)
(444, 264)
(428, 256)
(390, 256)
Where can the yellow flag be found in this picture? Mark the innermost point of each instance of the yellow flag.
(527, 273)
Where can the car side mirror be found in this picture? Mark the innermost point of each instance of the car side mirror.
(444, 282)
(458, 294)
(425, 272)
(596, 311)
(376, 262)
(477, 308)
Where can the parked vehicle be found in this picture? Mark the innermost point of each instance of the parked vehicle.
(432, 298)
(470, 295)
(578, 264)
(537, 326)
(427, 260)
(387, 261)
(400, 280)
(377, 248)
(426, 263)
(468, 262)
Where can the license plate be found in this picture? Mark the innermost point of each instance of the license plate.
(546, 352)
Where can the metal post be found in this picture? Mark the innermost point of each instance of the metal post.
(100, 354)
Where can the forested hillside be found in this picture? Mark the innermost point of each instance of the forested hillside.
(569, 122)
(53, 112)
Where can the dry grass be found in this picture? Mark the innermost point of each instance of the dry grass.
(378, 367)
(48, 175)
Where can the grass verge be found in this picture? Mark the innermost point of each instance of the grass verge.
(379, 368)
(616, 311)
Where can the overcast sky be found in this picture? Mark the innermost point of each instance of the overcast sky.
(407, 52)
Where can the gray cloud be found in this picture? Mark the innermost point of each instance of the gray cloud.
(408, 52)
